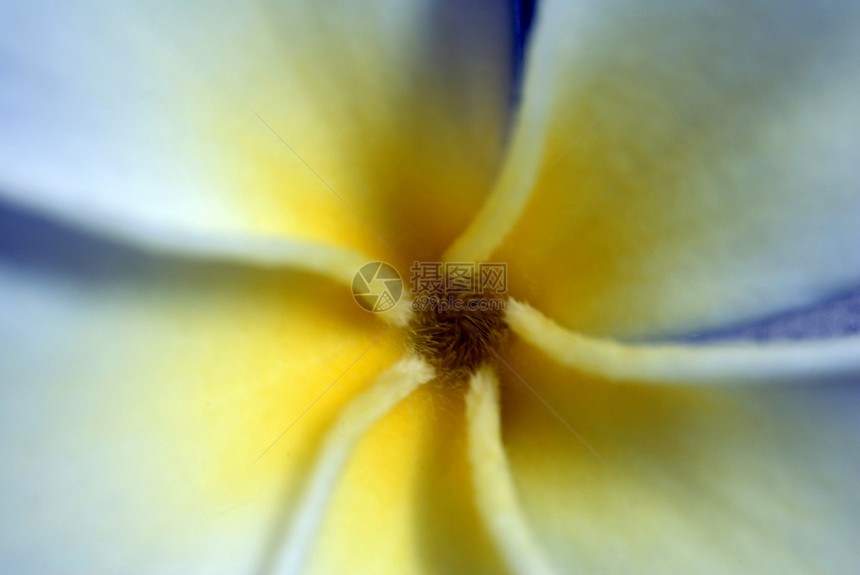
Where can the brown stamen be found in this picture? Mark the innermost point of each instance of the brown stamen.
(455, 333)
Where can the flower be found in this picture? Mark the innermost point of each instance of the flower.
(188, 387)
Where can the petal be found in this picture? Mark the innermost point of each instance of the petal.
(145, 402)
(321, 122)
(686, 480)
(700, 166)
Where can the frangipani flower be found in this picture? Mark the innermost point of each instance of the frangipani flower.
(188, 386)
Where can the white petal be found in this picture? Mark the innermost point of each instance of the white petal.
(721, 180)
(687, 480)
(317, 120)
(138, 396)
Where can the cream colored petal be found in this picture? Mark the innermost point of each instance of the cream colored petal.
(687, 480)
(158, 417)
(700, 167)
(316, 120)
(720, 363)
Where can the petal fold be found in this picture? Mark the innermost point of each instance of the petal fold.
(715, 363)
(405, 502)
(391, 388)
(494, 487)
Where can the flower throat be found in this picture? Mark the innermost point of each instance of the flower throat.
(458, 332)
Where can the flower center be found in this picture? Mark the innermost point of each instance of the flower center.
(458, 332)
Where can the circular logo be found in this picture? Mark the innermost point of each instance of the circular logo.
(377, 286)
